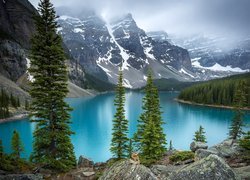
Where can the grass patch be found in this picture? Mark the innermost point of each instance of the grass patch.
(181, 156)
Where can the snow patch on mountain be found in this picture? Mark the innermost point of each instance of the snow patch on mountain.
(123, 52)
(185, 72)
(78, 30)
(30, 77)
(217, 67)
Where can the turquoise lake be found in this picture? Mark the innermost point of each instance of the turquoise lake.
(92, 123)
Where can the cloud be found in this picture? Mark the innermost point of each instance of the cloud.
(175, 16)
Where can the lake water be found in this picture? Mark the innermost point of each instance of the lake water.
(92, 123)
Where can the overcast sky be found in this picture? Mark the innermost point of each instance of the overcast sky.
(178, 17)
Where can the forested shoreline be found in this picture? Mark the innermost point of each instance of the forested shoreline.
(220, 92)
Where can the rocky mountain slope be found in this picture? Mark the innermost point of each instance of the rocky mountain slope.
(16, 29)
(102, 47)
(215, 56)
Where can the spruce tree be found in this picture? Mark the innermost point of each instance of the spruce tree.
(52, 146)
(16, 144)
(150, 138)
(120, 140)
(27, 104)
(171, 146)
(130, 148)
(240, 101)
(147, 109)
(199, 135)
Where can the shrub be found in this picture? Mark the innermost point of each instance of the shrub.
(181, 156)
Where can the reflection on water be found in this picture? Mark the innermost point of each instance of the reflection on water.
(92, 123)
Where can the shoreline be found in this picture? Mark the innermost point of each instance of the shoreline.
(207, 105)
(17, 117)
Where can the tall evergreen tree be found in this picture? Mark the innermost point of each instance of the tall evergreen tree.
(16, 144)
(199, 135)
(52, 145)
(171, 146)
(120, 140)
(235, 130)
(130, 148)
(150, 138)
(147, 109)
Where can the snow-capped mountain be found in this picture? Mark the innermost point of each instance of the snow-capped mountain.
(216, 56)
(104, 47)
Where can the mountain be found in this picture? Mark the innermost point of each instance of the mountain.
(102, 47)
(216, 56)
(16, 29)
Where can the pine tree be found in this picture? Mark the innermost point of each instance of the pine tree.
(150, 138)
(147, 108)
(52, 145)
(235, 130)
(27, 104)
(16, 144)
(200, 135)
(130, 148)
(171, 146)
(119, 144)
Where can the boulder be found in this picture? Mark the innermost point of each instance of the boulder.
(227, 148)
(211, 167)
(84, 162)
(78, 174)
(162, 172)
(127, 169)
(197, 145)
(243, 172)
(202, 153)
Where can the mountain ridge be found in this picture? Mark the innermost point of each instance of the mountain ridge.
(103, 47)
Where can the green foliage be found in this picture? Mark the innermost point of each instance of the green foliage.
(120, 141)
(200, 135)
(16, 144)
(245, 141)
(171, 146)
(171, 84)
(15, 102)
(240, 101)
(150, 139)
(27, 104)
(130, 148)
(52, 146)
(97, 84)
(4, 105)
(181, 156)
(12, 162)
(6, 101)
(217, 92)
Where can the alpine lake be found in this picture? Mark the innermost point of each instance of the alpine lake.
(92, 123)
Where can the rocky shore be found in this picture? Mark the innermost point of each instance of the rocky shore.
(19, 115)
(220, 162)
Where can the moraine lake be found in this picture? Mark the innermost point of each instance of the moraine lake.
(92, 123)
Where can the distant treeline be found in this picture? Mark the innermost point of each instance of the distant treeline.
(7, 101)
(217, 92)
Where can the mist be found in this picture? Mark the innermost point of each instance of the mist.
(229, 18)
